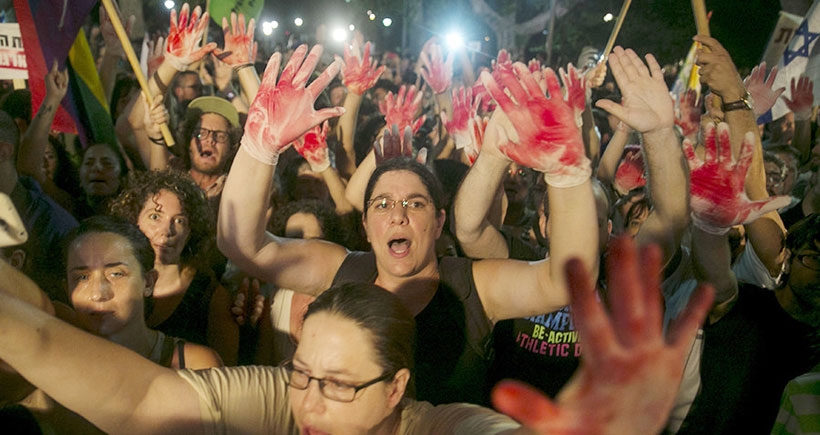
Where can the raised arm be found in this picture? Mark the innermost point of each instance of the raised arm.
(801, 103)
(240, 54)
(281, 112)
(107, 384)
(544, 137)
(313, 147)
(647, 107)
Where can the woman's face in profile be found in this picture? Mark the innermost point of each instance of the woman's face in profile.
(341, 353)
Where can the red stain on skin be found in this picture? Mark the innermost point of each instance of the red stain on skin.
(466, 127)
(360, 75)
(576, 89)
(689, 114)
(630, 173)
(437, 75)
(313, 145)
(401, 109)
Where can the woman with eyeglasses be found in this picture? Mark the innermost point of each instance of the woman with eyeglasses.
(354, 366)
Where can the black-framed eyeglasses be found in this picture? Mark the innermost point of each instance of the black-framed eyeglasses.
(218, 135)
(384, 204)
(809, 261)
(333, 390)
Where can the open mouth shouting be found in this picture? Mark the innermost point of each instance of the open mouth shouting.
(399, 247)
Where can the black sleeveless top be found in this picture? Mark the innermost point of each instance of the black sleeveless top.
(453, 333)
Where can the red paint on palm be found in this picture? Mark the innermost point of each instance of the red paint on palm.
(487, 103)
(631, 173)
(239, 45)
(689, 114)
(184, 35)
(401, 109)
(575, 85)
(802, 97)
(534, 66)
(548, 138)
(437, 72)
(313, 147)
(359, 75)
(717, 196)
(466, 127)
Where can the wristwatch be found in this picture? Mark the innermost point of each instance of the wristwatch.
(744, 103)
(227, 93)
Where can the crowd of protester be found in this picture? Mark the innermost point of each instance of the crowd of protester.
(408, 233)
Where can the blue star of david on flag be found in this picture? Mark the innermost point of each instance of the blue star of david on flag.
(803, 51)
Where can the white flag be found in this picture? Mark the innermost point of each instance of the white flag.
(799, 58)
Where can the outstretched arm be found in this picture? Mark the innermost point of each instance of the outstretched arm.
(107, 384)
(281, 112)
(647, 108)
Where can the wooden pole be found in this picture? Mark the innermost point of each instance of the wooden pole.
(114, 16)
(615, 30)
(701, 20)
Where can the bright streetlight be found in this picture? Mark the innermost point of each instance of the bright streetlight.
(298, 21)
(608, 17)
(387, 21)
(169, 4)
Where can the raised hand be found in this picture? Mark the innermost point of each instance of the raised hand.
(113, 47)
(718, 198)
(437, 72)
(313, 147)
(248, 299)
(155, 115)
(631, 173)
(240, 48)
(646, 105)
(630, 372)
(56, 83)
(359, 72)
(503, 65)
(394, 144)
(283, 111)
(401, 109)
(156, 54)
(575, 87)
(802, 98)
(465, 126)
(760, 88)
(184, 36)
(689, 116)
(545, 136)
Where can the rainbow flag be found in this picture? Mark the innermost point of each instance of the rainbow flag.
(51, 30)
(688, 77)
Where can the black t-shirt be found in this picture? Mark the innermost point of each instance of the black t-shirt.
(748, 357)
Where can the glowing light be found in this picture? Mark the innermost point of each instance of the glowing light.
(454, 39)
(267, 29)
(339, 34)
(274, 24)
(372, 16)
(387, 21)
(169, 4)
(351, 27)
(608, 17)
(298, 21)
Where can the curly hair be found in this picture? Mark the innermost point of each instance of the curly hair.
(141, 187)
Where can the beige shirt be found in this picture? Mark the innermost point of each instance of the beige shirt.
(254, 400)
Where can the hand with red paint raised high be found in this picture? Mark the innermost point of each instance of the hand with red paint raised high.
(575, 86)
(313, 147)
(630, 371)
(544, 136)
(240, 48)
(716, 184)
(401, 109)
(393, 144)
(760, 88)
(359, 72)
(184, 36)
(283, 111)
(802, 91)
(466, 127)
(689, 114)
(437, 72)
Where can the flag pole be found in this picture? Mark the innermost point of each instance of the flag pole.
(114, 15)
(701, 20)
(615, 30)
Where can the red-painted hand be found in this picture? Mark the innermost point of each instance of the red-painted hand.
(248, 299)
(156, 54)
(184, 36)
(487, 103)
(284, 111)
(313, 147)
(717, 195)
(545, 136)
(576, 88)
(502, 66)
(393, 144)
(437, 72)
(359, 73)
(630, 371)
(760, 88)
(240, 48)
(466, 127)
(689, 114)
(802, 99)
(631, 173)
(401, 109)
